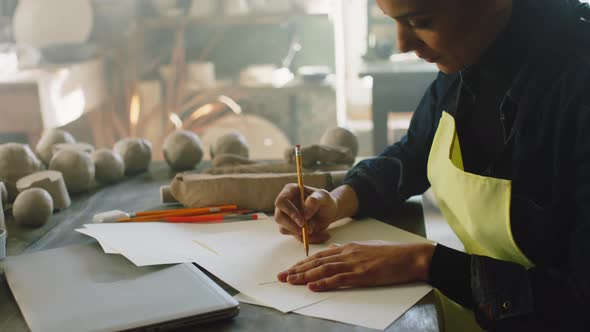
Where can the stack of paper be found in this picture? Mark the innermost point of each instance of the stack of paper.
(248, 256)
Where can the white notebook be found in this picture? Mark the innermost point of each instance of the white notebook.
(79, 288)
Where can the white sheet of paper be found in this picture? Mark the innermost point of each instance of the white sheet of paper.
(148, 243)
(105, 247)
(248, 255)
(375, 308)
(275, 254)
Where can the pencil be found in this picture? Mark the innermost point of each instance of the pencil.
(158, 217)
(211, 209)
(301, 196)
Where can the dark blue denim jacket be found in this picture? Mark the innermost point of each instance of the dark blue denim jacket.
(546, 113)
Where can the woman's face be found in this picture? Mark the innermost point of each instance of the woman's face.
(450, 33)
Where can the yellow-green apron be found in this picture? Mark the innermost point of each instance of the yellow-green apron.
(477, 208)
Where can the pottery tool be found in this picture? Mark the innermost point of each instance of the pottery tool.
(301, 196)
(118, 215)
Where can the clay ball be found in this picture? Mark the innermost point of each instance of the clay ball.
(16, 161)
(50, 137)
(77, 169)
(341, 137)
(3, 193)
(183, 150)
(33, 207)
(109, 166)
(136, 154)
(233, 143)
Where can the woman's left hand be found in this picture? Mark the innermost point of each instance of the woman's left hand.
(374, 263)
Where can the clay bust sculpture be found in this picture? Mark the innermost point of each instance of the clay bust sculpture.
(16, 161)
(50, 137)
(183, 150)
(109, 166)
(77, 169)
(136, 154)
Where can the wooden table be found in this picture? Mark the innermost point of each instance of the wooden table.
(142, 192)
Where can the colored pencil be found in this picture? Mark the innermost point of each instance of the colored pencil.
(159, 217)
(212, 209)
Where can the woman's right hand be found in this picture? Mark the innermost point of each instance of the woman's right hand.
(320, 210)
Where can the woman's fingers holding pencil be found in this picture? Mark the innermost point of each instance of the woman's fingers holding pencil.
(286, 206)
(313, 238)
(319, 211)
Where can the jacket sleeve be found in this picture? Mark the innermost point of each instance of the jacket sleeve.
(399, 172)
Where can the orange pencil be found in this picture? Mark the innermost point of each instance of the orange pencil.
(299, 164)
(164, 217)
(158, 217)
(211, 209)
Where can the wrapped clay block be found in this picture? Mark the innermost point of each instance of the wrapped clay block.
(52, 182)
(249, 191)
(166, 196)
(273, 168)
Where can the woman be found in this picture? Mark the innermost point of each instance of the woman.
(503, 138)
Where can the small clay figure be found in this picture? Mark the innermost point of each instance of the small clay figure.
(77, 169)
(341, 137)
(50, 137)
(16, 161)
(33, 207)
(232, 143)
(136, 154)
(183, 150)
(109, 166)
